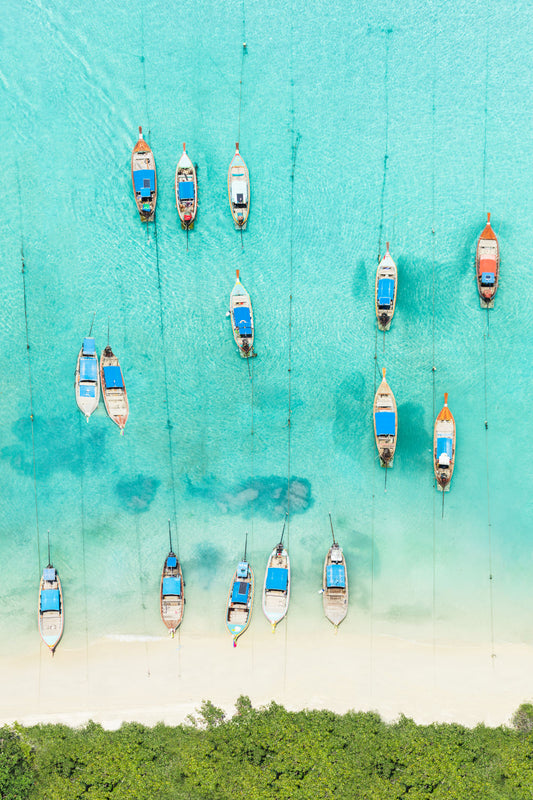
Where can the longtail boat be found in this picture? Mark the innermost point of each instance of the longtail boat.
(444, 447)
(51, 617)
(186, 189)
(242, 319)
(171, 593)
(335, 583)
(277, 584)
(87, 382)
(239, 189)
(386, 284)
(240, 599)
(487, 265)
(385, 423)
(114, 388)
(144, 179)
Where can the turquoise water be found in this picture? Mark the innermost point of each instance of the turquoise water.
(399, 122)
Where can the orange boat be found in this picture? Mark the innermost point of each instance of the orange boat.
(487, 265)
(444, 447)
(144, 179)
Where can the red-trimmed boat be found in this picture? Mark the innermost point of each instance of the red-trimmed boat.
(487, 265)
(144, 179)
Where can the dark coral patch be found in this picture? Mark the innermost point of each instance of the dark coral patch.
(138, 493)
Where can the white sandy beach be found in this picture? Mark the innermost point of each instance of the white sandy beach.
(158, 679)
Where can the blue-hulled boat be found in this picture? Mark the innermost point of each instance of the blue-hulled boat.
(239, 189)
(277, 584)
(385, 423)
(240, 599)
(114, 388)
(51, 615)
(172, 597)
(186, 189)
(144, 179)
(444, 447)
(87, 383)
(242, 319)
(386, 285)
(335, 583)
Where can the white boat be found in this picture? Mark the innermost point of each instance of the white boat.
(87, 381)
(171, 592)
(114, 388)
(386, 284)
(51, 617)
(144, 179)
(186, 189)
(335, 583)
(277, 584)
(444, 447)
(385, 423)
(239, 190)
(242, 319)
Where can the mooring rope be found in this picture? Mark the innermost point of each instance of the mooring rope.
(243, 53)
(489, 524)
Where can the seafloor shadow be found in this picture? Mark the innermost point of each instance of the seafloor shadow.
(267, 496)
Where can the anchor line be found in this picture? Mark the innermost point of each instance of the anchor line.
(242, 71)
(433, 370)
(83, 550)
(489, 525)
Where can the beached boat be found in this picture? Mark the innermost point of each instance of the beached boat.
(239, 189)
(87, 381)
(385, 423)
(114, 388)
(487, 265)
(277, 584)
(386, 284)
(335, 583)
(144, 179)
(444, 447)
(242, 319)
(172, 599)
(51, 617)
(240, 599)
(186, 191)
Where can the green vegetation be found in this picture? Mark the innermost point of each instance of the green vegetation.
(270, 753)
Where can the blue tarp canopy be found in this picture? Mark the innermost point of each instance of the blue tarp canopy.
(385, 423)
(172, 586)
(113, 378)
(335, 576)
(50, 600)
(186, 190)
(171, 561)
(243, 321)
(89, 346)
(488, 278)
(385, 291)
(88, 369)
(87, 390)
(49, 574)
(444, 445)
(277, 578)
(240, 592)
(144, 181)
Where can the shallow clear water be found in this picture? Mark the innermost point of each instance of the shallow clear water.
(401, 122)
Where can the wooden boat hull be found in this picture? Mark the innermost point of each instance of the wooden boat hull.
(115, 397)
(51, 623)
(239, 190)
(276, 601)
(243, 336)
(335, 598)
(84, 388)
(172, 605)
(238, 615)
(385, 427)
(186, 173)
(487, 266)
(145, 195)
(444, 448)
(385, 300)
